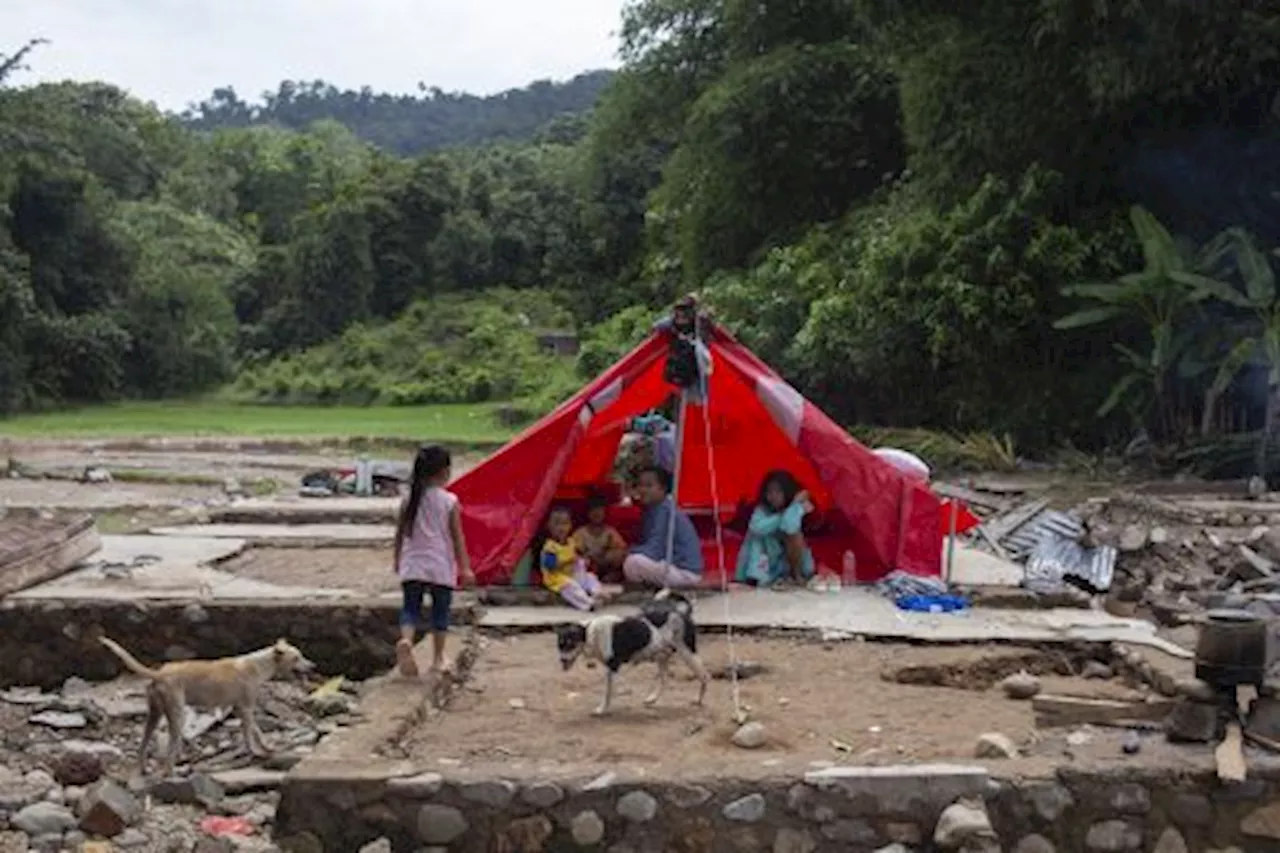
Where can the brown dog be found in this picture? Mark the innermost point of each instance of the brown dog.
(207, 684)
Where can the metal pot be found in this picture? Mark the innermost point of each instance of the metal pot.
(1232, 649)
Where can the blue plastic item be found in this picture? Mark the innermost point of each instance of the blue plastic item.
(932, 603)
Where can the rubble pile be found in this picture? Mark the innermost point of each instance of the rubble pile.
(1175, 564)
(1158, 557)
(69, 768)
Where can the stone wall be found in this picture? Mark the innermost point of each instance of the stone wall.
(840, 809)
(47, 642)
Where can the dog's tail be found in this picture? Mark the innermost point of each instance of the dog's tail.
(129, 661)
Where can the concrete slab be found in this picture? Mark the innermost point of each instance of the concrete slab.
(300, 510)
(165, 567)
(311, 535)
(58, 495)
(864, 612)
(971, 567)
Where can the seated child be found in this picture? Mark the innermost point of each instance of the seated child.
(563, 571)
(602, 545)
(774, 547)
(647, 563)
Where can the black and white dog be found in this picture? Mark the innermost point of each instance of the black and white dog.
(664, 629)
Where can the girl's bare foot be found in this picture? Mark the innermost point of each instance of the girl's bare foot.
(404, 659)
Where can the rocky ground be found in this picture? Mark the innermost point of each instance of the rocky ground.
(69, 776)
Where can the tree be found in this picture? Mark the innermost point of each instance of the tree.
(179, 312)
(1159, 298)
(1235, 251)
(16, 61)
(780, 142)
(406, 125)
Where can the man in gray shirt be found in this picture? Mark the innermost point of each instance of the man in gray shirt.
(647, 562)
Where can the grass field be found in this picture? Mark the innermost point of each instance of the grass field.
(452, 424)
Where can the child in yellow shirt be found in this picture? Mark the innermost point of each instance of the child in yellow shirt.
(564, 572)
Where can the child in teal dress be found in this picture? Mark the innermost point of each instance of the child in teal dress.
(774, 547)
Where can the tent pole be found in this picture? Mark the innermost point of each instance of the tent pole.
(675, 473)
(951, 539)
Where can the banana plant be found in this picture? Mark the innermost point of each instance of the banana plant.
(1235, 248)
(1159, 298)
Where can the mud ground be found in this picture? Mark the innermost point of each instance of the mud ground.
(819, 703)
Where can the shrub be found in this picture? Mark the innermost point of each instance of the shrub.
(448, 350)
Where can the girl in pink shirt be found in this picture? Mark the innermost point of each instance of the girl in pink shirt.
(431, 555)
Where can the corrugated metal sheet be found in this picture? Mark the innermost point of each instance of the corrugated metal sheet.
(1056, 553)
(1055, 559)
(1021, 542)
(1049, 543)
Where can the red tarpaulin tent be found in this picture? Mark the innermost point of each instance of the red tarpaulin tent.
(758, 423)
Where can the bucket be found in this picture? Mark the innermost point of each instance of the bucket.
(1232, 649)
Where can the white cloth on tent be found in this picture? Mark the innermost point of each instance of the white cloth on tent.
(907, 463)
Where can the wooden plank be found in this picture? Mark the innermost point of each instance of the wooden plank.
(1059, 710)
(991, 541)
(969, 496)
(1229, 755)
(1003, 525)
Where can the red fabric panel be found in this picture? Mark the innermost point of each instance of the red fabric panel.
(892, 519)
(505, 498)
(865, 504)
(965, 520)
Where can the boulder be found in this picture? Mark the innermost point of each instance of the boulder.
(995, 745)
(750, 736)
(1020, 685)
(43, 818)
(77, 768)
(107, 809)
(963, 824)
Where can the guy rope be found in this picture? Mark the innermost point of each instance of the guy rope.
(702, 368)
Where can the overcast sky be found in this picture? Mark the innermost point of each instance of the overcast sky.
(175, 52)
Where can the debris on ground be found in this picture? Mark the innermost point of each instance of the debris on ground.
(366, 477)
(1166, 558)
(69, 792)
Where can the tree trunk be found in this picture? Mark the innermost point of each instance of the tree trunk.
(1269, 421)
(1206, 416)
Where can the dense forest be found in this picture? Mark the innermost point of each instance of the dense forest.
(404, 124)
(1050, 220)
